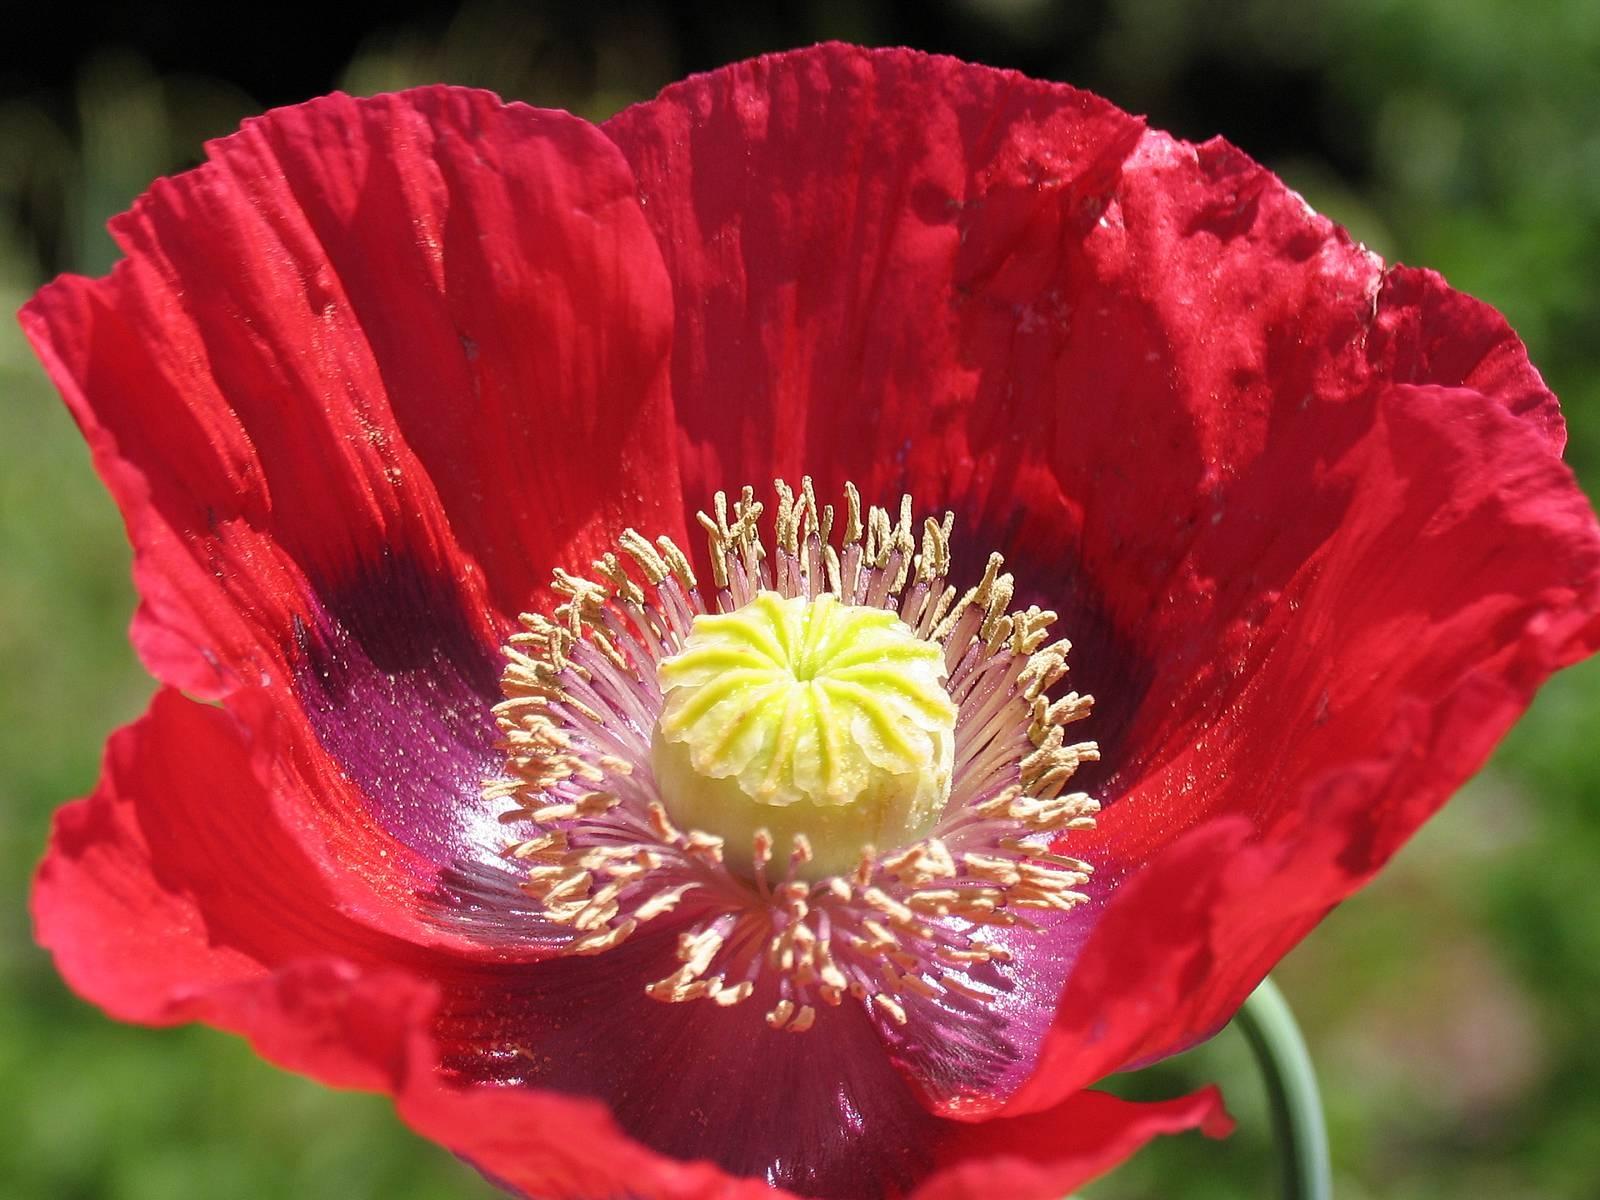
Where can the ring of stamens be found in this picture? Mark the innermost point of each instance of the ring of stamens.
(907, 925)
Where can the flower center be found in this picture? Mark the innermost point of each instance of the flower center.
(834, 775)
(808, 718)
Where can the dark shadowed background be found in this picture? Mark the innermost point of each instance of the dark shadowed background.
(1452, 1008)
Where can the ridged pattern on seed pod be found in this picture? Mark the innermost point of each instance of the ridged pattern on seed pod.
(795, 701)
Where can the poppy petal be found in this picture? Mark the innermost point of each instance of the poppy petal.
(817, 211)
(187, 870)
(329, 388)
(1048, 1154)
(1464, 570)
(175, 894)
(1094, 300)
(1425, 332)
(541, 1143)
(824, 1115)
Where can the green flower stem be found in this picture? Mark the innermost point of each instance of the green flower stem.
(1302, 1133)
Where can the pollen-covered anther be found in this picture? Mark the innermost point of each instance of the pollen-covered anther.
(832, 772)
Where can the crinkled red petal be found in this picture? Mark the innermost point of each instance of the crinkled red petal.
(193, 866)
(1465, 571)
(368, 327)
(1303, 516)
(1048, 1154)
(825, 1114)
(549, 1145)
(364, 379)
(1424, 332)
(179, 891)
(824, 215)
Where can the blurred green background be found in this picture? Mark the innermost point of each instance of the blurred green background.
(1452, 1007)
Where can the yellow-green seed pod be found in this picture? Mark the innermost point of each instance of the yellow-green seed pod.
(806, 717)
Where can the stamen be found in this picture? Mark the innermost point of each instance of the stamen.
(776, 911)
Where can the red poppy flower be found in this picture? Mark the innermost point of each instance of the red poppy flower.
(367, 377)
